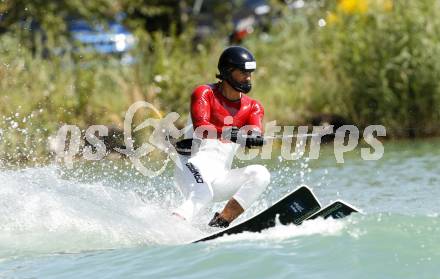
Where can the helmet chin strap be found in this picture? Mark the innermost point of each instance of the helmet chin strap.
(242, 87)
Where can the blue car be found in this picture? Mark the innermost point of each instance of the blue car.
(110, 39)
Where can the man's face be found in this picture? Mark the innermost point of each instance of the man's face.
(241, 76)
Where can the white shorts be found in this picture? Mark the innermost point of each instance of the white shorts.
(207, 177)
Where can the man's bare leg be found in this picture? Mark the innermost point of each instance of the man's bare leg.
(231, 211)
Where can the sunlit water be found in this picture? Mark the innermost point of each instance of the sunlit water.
(104, 220)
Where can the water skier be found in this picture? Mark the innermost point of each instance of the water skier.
(218, 111)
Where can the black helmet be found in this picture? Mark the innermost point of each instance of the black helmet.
(236, 57)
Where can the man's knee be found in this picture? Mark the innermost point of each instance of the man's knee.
(258, 179)
(259, 174)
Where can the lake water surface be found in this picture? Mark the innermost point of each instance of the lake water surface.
(105, 220)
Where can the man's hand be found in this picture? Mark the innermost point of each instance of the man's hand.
(254, 140)
(234, 134)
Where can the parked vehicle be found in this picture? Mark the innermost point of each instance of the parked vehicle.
(245, 16)
(111, 38)
(251, 15)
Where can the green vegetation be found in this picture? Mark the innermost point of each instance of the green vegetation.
(376, 66)
(379, 66)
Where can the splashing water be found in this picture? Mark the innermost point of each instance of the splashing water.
(103, 205)
(39, 212)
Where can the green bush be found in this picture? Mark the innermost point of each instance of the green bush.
(377, 67)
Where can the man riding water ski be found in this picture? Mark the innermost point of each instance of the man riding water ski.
(218, 111)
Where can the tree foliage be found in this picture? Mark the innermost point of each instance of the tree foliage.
(51, 15)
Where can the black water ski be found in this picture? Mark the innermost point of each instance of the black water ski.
(337, 210)
(293, 208)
